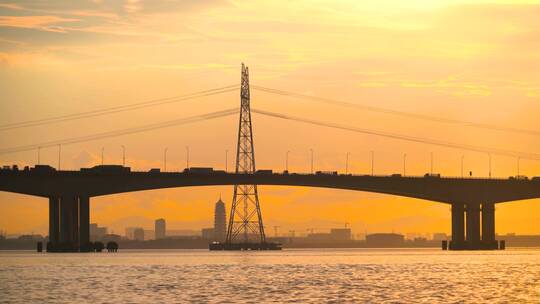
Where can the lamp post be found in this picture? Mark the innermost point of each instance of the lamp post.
(404, 163)
(311, 150)
(187, 157)
(123, 156)
(347, 163)
(287, 160)
(102, 152)
(462, 158)
(226, 156)
(518, 159)
(372, 162)
(38, 155)
(59, 155)
(165, 159)
(431, 170)
(489, 154)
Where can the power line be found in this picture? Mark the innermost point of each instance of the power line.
(139, 129)
(396, 112)
(118, 109)
(402, 137)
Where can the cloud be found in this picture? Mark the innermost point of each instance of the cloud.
(118, 7)
(36, 22)
(84, 160)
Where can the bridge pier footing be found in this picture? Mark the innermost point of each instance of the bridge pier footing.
(69, 224)
(473, 227)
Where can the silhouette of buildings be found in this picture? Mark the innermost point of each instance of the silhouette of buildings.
(220, 222)
(97, 233)
(31, 237)
(160, 229)
(129, 232)
(208, 234)
(340, 234)
(138, 234)
(440, 236)
(384, 240)
(111, 237)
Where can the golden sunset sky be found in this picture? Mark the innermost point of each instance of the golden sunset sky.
(460, 60)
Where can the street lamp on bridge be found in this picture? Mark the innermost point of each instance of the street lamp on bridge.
(372, 162)
(404, 162)
(462, 158)
(226, 156)
(489, 154)
(347, 163)
(431, 170)
(59, 155)
(165, 159)
(187, 157)
(287, 160)
(311, 150)
(123, 156)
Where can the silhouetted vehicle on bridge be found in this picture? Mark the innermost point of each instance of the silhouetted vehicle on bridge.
(107, 169)
(199, 170)
(326, 173)
(43, 169)
(264, 172)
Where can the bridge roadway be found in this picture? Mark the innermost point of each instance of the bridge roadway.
(69, 192)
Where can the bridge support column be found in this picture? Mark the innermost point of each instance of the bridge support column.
(84, 223)
(473, 226)
(54, 223)
(69, 224)
(458, 227)
(488, 226)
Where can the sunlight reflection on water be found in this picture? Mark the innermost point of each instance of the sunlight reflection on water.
(345, 275)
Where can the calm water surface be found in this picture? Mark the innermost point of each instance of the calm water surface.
(304, 276)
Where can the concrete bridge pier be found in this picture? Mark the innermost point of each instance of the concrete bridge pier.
(488, 226)
(473, 225)
(458, 226)
(84, 224)
(69, 224)
(54, 222)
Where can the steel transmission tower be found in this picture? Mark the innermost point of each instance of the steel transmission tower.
(245, 220)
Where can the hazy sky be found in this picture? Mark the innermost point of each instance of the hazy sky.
(466, 60)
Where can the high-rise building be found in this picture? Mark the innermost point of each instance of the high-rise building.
(138, 234)
(129, 233)
(160, 228)
(207, 233)
(96, 232)
(220, 221)
(341, 234)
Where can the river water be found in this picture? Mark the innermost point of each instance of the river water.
(304, 276)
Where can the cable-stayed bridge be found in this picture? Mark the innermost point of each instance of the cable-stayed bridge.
(472, 199)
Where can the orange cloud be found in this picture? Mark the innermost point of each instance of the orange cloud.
(35, 22)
